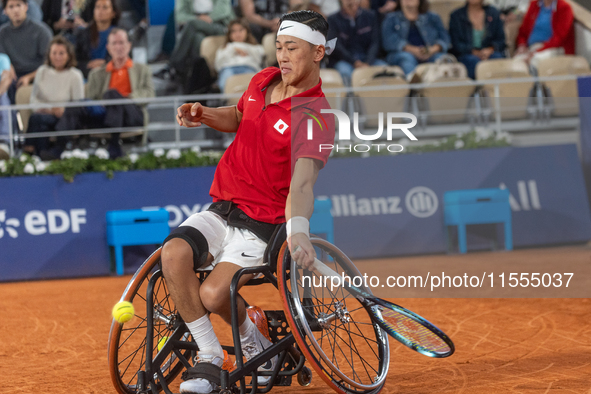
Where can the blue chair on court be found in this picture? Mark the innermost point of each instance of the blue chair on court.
(477, 206)
(134, 227)
(321, 221)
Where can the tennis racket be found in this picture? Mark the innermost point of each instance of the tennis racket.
(401, 324)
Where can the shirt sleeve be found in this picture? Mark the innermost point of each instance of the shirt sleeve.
(313, 136)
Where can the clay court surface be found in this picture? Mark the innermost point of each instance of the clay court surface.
(54, 335)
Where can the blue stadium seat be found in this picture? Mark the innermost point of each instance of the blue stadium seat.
(135, 227)
(477, 206)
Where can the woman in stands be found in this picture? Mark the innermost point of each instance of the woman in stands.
(91, 43)
(547, 30)
(413, 35)
(56, 81)
(476, 32)
(241, 54)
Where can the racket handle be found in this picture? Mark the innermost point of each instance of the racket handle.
(323, 269)
(320, 267)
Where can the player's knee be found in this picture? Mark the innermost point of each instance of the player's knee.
(176, 256)
(184, 247)
(215, 298)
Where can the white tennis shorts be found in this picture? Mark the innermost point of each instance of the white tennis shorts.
(227, 243)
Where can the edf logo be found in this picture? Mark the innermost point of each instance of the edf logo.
(9, 225)
(53, 221)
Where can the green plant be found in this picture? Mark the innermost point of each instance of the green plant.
(78, 162)
(476, 139)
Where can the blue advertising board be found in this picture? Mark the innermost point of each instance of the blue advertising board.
(383, 206)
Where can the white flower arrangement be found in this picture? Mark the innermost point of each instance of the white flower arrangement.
(29, 168)
(102, 153)
(173, 154)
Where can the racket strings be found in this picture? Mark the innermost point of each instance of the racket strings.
(414, 332)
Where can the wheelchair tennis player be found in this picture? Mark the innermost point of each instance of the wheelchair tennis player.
(265, 178)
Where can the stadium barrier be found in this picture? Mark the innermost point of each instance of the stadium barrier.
(382, 206)
(539, 111)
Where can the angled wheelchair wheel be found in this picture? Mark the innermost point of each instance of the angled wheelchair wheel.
(333, 330)
(128, 343)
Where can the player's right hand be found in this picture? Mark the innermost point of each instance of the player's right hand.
(189, 115)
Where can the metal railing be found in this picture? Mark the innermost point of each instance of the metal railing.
(343, 93)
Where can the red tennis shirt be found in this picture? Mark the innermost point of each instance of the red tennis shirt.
(255, 171)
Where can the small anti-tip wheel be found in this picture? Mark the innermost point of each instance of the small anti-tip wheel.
(304, 377)
(225, 391)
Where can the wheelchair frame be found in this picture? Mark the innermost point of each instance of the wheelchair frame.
(156, 371)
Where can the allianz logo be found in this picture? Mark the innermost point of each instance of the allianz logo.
(422, 202)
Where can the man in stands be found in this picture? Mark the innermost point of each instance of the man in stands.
(358, 41)
(263, 15)
(547, 30)
(265, 177)
(24, 41)
(120, 78)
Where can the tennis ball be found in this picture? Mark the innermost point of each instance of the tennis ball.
(161, 342)
(123, 311)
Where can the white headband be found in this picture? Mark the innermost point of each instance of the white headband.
(305, 32)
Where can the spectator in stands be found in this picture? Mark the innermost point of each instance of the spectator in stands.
(6, 78)
(57, 81)
(358, 39)
(241, 54)
(91, 42)
(34, 13)
(120, 78)
(413, 35)
(24, 41)
(325, 7)
(197, 19)
(382, 7)
(263, 15)
(547, 30)
(476, 32)
(63, 16)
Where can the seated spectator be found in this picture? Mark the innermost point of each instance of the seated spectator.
(263, 15)
(34, 13)
(91, 43)
(382, 7)
(477, 34)
(197, 19)
(6, 78)
(358, 39)
(63, 16)
(120, 78)
(547, 30)
(241, 54)
(325, 7)
(57, 81)
(413, 35)
(24, 41)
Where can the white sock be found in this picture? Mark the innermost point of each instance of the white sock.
(204, 336)
(247, 330)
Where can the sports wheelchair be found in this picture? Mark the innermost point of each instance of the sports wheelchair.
(325, 326)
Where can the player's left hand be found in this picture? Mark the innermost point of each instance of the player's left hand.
(301, 250)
